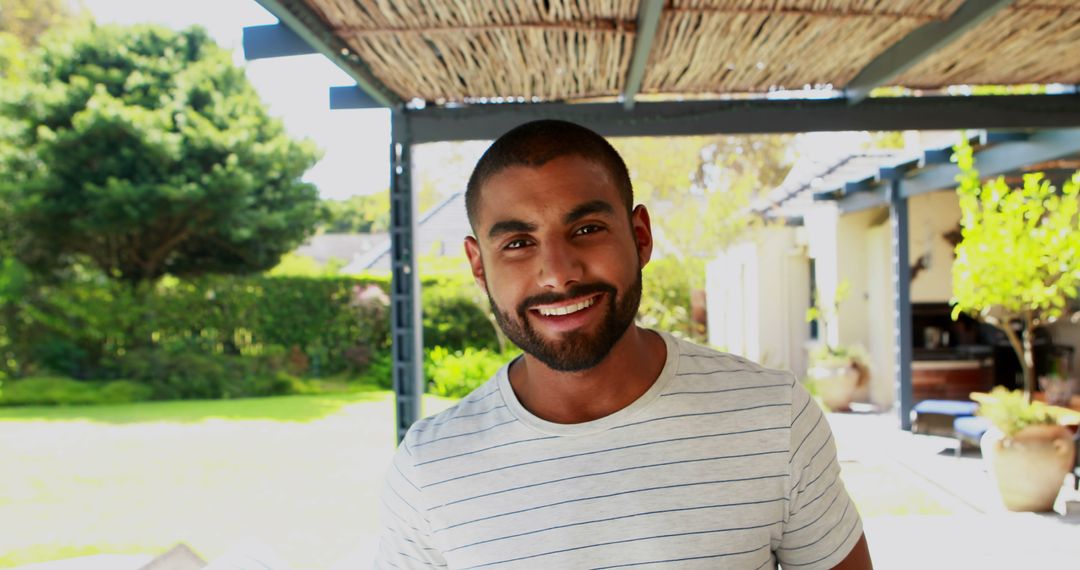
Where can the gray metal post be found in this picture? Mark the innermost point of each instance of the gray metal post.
(405, 323)
(898, 221)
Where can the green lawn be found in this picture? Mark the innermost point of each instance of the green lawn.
(299, 473)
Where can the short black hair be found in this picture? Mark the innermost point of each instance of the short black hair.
(536, 143)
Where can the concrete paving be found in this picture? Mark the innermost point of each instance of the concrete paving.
(980, 532)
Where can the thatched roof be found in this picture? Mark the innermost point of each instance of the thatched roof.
(567, 50)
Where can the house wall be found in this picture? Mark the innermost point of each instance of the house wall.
(757, 293)
(865, 320)
(932, 215)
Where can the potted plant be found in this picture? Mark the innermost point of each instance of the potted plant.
(835, 370)
(1027, 452)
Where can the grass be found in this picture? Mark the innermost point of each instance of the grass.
(299, 473)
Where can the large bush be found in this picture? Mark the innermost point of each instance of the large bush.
(146, 152)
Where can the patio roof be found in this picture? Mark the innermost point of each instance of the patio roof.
(444, 52)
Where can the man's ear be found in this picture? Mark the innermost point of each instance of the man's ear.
(642, 228)
(472, 251)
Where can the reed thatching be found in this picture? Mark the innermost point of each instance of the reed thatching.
(535, 50)
(446, 50)
(1033, 41)
(731, 46)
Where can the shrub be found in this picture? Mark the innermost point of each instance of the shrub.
(380, 371)
(54, 391)
(455, 374)
(456, 314)
(179, 374)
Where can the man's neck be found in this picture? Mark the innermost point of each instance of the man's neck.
(628, 371)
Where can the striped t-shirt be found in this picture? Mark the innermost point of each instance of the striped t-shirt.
(721, 463)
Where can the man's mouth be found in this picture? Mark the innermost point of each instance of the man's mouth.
(566, 309)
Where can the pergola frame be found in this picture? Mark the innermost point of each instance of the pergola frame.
(300, 31)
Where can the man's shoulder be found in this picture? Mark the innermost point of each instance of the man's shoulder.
(476, 411)
(700, 361)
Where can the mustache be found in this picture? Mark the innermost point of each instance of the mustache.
(580, 290)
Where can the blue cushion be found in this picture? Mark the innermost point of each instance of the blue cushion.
(972, 427)
(955, 408)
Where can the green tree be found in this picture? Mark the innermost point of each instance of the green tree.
(1019, 260)
(147, 152)
(691, 180)
(698, 190)
(358, 214)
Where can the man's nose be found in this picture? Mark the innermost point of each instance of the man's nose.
(560, 266)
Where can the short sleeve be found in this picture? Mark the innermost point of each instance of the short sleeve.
(405, 540)
(822, 525)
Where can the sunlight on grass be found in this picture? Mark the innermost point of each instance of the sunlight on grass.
(301, 473)
(278, 408)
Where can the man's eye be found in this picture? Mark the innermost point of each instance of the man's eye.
(589, 229)
(516, 244)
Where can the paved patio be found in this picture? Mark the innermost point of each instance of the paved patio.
(980, 533)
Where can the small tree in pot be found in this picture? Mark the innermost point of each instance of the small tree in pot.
(1018, 259)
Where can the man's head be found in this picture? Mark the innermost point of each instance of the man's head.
(558, 249)
(535, 144)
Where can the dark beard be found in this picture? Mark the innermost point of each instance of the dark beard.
(577, 350)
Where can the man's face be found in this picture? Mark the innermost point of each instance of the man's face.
(560, 259)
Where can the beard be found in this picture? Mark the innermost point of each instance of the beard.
(576, 350)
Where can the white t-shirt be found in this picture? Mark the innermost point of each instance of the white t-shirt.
(721, 463)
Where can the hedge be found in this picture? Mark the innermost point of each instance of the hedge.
(86, 326)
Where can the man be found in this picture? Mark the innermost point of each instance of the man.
(605, 445)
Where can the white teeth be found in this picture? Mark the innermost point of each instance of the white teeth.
(556, 311)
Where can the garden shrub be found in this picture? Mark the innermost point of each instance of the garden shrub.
(54, 391)
(456, 314)
(178, 374)
(84, 325)
(453, 374)
(380, 371)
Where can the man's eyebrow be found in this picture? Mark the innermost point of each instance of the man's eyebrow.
(588, 208)
(509, 227)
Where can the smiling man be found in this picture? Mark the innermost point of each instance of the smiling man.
(605, 444)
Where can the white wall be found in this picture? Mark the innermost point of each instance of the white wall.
(932, 216)
(757, 293)
(881, 314)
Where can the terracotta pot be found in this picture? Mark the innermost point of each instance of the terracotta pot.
(1029, 467)
(835, 383)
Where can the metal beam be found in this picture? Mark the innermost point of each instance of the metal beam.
(405, 324)
(999, 159)
(866, 200)
(351, 97)
(996, 160)
(648, 21)
(898, 171)
(917, 45)
(274, 40)
(307, 24)
(901, 260)
(674, 118)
